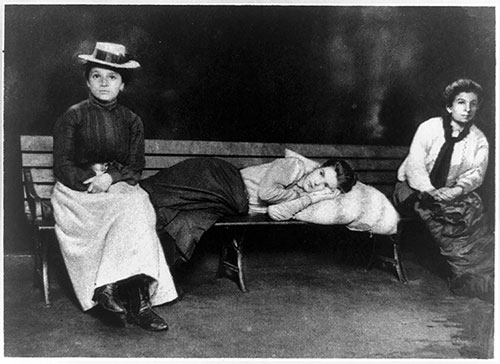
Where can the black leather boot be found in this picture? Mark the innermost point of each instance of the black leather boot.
(140, 311)
(107, 297)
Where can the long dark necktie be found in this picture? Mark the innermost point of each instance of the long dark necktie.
(441, 168)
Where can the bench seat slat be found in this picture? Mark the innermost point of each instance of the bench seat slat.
(254, 219)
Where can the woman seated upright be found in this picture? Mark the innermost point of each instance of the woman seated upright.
(105, 222)
(446, 163)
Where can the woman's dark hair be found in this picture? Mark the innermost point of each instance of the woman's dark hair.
(462, 85)
(346, 176)
(126, 74)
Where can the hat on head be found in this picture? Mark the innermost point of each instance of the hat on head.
(110, 54)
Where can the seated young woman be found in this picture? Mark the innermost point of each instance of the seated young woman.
(104, 221)
(438, 182)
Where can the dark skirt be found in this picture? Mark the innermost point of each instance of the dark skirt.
(461, 229)
(191, 196)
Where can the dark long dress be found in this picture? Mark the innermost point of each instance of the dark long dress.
(463, 233)
(191, 196)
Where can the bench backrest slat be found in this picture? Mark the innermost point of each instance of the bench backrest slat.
(157, 162)
(270, 150)
(40, 144)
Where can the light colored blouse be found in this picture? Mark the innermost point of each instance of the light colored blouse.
(274, 183)
(468, 162)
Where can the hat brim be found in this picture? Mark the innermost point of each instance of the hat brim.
(127, 65)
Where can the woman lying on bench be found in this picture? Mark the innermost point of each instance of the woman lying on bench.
(299, 188)
(288, 185)
(192, 195)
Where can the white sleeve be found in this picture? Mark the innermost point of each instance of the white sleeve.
(287, 210)
(415, 169)
(282, 173)
(472, 178)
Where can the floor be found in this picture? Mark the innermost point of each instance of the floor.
(309, 297)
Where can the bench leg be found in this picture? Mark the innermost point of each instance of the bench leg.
(398, 264)
(233, 268)
(45, 271)
(41, 263)
(373, 255)
(395, 260)
(224, 253)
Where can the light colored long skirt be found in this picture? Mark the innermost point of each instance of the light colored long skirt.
(107, 237)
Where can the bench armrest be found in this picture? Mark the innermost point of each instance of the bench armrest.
(34, 201)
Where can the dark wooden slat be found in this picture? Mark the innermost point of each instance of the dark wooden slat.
(163, 161)
(370, 177)
(157, 162)
(45, 191)
(190, 147)
(241, 162)
(375, 177)
(386, 186)
(272, 149)
(195, 147)
(46, 175)
(254, 219)
(374, 164)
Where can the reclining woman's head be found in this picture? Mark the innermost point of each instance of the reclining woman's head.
(333, 174)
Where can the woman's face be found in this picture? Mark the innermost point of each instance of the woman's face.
(105, 84)
(320, 179)
(464, 107)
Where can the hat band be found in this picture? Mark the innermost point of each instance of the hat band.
(110, 57)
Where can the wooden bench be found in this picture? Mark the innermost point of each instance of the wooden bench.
(375, 165)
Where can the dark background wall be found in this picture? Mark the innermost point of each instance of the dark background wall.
(338, 75)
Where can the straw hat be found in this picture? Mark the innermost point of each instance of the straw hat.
(110, 54)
